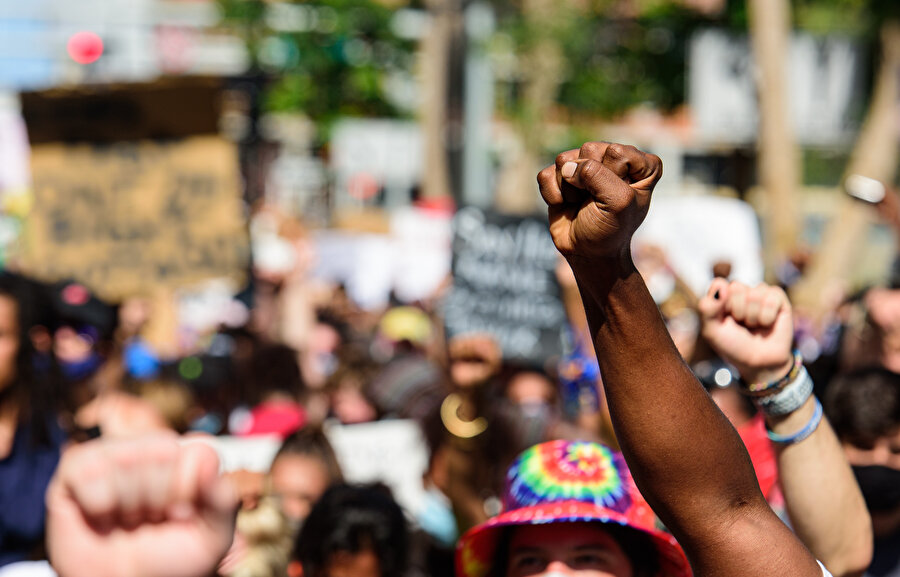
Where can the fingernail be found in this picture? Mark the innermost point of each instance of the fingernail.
(716, 295)
(568, 169)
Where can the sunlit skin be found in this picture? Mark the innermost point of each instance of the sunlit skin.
(360, 564)
(571, 549)
(530, 387)
(299, 481)
(9, 348)
(9, 341)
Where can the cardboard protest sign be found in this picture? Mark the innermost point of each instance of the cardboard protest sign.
(128, 218)
(504, 284)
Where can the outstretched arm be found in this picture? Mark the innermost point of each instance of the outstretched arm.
(686, 458)
(752, 328)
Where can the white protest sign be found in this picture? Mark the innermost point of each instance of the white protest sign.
(392, 452)
(825, 87)
(697, 232)
(237, 453)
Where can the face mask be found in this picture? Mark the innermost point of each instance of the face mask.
(534, 409)
(77, 370)
(880, 487)
(436, 518)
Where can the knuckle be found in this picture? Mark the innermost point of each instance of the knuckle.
(623, 152)
(546, 175)
(591, 150)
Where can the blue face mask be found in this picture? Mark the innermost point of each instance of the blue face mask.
(75, 371)
(436, 518)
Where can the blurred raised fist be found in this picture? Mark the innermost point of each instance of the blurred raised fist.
(474, 359)
(145, 507)
(597, 197)
(751, 328)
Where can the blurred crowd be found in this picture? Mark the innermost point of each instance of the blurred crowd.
(74, 368)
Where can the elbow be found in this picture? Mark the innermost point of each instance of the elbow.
(853, 559)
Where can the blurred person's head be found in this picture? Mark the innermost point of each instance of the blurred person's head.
(275, 373)
(173, 399)
(864, 409)
(29, 396)
(530, 387)
(83, 331)
(570, 508)
(304, 467)
(403, 329)
(348, 389)
(354, 531)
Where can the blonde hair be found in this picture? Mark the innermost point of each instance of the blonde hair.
(172, 399)
(269, 540)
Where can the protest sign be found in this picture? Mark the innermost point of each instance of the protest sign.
(504, 284)
(696, 232)
(392, 452)
(128, 218)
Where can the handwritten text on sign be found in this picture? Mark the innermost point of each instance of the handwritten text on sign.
(128, 217)
(504, 284)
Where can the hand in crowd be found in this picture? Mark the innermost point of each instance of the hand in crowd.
(617, 182)
(145, 507)
(474, 359)
(751, 328)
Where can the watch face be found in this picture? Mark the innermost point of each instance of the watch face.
(864, 188)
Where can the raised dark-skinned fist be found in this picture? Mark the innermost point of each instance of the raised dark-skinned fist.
(597, 197)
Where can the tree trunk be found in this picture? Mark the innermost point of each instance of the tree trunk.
(770, 32)
(543, 64)
(875, 156)
(434, 61)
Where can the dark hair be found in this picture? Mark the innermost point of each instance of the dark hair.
(353, 519)
(864, 405)
(312, 443)
(637, 546)
(275, 368)
(36, 394)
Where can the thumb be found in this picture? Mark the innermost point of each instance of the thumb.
(712, 305)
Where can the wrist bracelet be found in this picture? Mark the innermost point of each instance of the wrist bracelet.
(789, 399)
(763, 389)
(808, 429)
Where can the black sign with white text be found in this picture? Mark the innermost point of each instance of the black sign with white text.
(504, 284)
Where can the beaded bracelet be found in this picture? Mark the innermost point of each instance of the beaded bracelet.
(789, 399)
(764, 389)
(808, 429)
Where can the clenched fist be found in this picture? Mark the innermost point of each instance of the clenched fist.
(750, 327)
(145, 507)
(597, 197)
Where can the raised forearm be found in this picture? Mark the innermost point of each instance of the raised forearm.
(687, 459)
(839, 534)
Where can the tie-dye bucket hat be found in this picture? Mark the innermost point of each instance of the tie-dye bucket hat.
(566, 482)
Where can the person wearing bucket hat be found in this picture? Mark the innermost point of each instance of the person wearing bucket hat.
(684, 455)
(587, 486)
